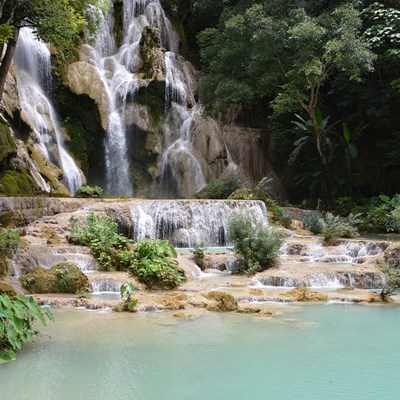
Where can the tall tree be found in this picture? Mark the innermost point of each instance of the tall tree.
(285, 53)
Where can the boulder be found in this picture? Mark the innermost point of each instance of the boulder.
(174, 301)
(7, 289)
(62, 278)
(304, 294)
(221, 301)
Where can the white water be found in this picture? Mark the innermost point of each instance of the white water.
(33, 72)
(119, 70)
(188, 223)
(311, 264)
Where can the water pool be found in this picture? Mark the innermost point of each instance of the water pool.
(324, 352)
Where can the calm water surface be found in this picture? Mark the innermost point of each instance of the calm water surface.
(321, 352)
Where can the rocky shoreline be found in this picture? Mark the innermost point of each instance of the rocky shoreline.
(347, 272)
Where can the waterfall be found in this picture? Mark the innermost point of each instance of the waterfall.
(186, 223)
(119, 67)
(33, 72)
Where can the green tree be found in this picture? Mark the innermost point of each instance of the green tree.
(58, 22)
(285, 53)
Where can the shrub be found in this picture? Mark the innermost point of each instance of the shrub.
(334, 226)
(198, 256)
(9, 241)
(278, 216)
(313, 222)
(220, 188)
(396, 217)
(100, 234)
(154, 263)
(128, 303)
(378, 214)
(256, 244)
(17, 317)
(89, 191)
(392, 280)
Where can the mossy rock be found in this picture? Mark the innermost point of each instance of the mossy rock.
(51, 173)
(62, 278)
(7, 144)
(11, 219)
(16, 183)
(174, 301)
(243, 194)
(3, 264)
(7, 289)
(222, 301)
(304, 294)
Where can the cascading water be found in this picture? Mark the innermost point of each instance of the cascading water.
(186, 223)
(33, 72)
(120, 69)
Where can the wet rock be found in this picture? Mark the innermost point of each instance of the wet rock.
(184, 316)
(374, 298)
(7, 289)
(256, 292)
(174, 301)
(221, 301)
(267, 311)
(392, 255)
(247, 309)
(304, 294)
(84, 78)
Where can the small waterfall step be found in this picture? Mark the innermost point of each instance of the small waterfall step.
(108, 282)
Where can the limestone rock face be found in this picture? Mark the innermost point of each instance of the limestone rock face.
(7, 143)
(210, 147)
(83, 78)
(10, 100)
(392, 255)
(248, 151)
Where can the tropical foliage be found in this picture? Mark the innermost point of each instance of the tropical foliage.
(257, 244)
(392, 280)
(320, 75)
(154, 263)
(127, 290)
(100, 233)
(17, 319)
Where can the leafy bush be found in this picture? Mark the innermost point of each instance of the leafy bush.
(334, 226)
(154, 263)
(312, 222)
(392, 280)
(377, 214)
(9, 241)
(128, 302)
(198, 256)
(89, 191)
(256, 244)
(220, 188)
(17, 317)
(275, 210)
(278, 216)
(396, 216)
(100, 234)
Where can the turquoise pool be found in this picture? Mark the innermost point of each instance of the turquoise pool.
(315, 352)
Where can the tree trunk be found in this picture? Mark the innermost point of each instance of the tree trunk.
(7, 59)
